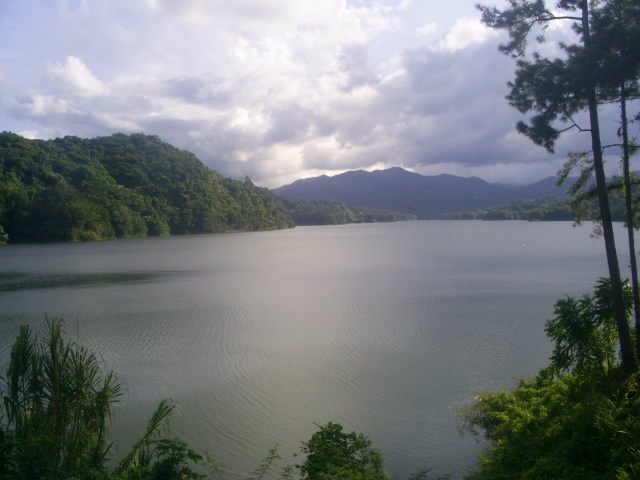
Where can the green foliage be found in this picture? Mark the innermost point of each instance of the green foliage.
(165, 458)
(553, 89)
(255, 208)
(316, 212)
(4, 237)
(543, 209)
(560, 427)
(584, 332)
(332, 454)
(56, 413)
(582, 208)
(56, 407)
(578, 418)
(615, 30)
(73, 189)
(267, 464)
(55, 417)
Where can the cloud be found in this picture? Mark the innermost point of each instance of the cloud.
(76, 77)
(276, 90)
(428, 29)
(465, 32)
(31, 134)
(353, 62)
(38, 105)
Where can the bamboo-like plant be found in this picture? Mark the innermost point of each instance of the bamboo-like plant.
(57, 406)
(55, 416)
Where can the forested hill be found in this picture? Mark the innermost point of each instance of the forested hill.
(72, 189)
(398, 190)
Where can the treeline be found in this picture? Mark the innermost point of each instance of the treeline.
(315, 212)
(550, 209)
(74, 189)
(537, 209)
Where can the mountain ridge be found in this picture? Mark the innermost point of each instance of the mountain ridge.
(426, 196)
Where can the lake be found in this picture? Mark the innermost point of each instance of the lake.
(388, 329)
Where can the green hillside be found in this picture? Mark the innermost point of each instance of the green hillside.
(552, 208)
(317, 212)
(74, 189)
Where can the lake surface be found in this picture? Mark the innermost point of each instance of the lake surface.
(386, 328)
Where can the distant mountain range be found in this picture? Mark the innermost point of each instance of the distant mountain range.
(426, 197)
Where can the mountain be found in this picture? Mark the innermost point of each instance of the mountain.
(72, 189)
(399, 190)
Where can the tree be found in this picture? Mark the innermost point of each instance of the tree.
(578, 418)
(555, 90)
(616, 35)
(332, 454)
(583, 332)
(56, 407)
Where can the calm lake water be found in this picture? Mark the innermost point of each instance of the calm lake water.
(386, 328)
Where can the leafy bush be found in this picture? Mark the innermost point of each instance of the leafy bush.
(332, 454)
(578, 418)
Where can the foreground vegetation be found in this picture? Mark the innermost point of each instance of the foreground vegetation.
(578, 417)
(56, 413)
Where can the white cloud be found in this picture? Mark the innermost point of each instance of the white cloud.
(113, 122)
(465, 32)
(245, 119)
(428, 29)
(76, 77)
(31, 134)
(41, 105)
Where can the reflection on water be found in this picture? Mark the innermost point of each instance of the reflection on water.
(386, 328)
(15, 281)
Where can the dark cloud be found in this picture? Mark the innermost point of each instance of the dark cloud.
(289, 123)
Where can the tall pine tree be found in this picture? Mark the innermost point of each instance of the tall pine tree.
(555, 90)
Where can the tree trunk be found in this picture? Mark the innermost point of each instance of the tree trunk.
(627, 351)
(629, 213)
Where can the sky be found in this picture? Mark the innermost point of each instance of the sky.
(275, 90)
